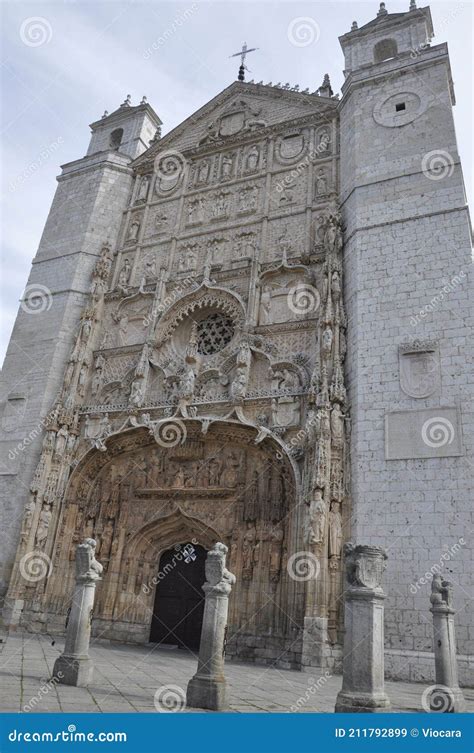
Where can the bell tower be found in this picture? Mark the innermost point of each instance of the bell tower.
(407, 261)
(86, 213)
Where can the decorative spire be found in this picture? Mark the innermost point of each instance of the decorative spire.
(106, 112)
(127, 101)
(354, 26)
(412, 4)
(382, 10)
(144, 100)
(156, 137)
(325, 90)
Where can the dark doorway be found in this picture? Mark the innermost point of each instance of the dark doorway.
(179, 598)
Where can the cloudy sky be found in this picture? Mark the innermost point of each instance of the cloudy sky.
(65, 62)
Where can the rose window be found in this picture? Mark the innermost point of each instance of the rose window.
(214, 333)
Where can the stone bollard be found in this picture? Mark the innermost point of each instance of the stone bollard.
(363, 661)
(207, 689)
(74, 666)
(446, 695)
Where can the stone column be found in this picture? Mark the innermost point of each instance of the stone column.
(74, 666)
(447, 696)
(207, 689)
(363, 661)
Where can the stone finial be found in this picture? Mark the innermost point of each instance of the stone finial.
(156, 137)
(382, 10)
(144, 100)
(354, 26)
(365, 565)
(412, 4)
(106, 112)
(325, 90)
(127, 101)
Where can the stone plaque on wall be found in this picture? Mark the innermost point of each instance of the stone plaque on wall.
(424, 433)
(419, 368)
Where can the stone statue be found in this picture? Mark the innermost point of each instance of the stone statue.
(335, 530)
(133, 231)
(87, 567)
(441, 591)
(321, 183)
(317, 518)
(251, 162)
(265, 305)
(124, 274)
(143, 192)
(43, 526)
(217, 575)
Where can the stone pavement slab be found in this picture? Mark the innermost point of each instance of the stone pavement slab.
(129, 678)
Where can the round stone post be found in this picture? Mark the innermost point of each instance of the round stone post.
(363, 661)
(207, 689)
(447, 696)
(74, 666)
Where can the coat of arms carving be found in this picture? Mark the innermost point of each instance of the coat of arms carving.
(419, 368)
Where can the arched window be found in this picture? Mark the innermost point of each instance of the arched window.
(116, 138)
(384, 50)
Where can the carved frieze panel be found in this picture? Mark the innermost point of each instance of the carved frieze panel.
(161, 220)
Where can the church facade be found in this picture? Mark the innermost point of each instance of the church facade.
(231, 336)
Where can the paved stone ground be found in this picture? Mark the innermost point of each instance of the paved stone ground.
(126, 679)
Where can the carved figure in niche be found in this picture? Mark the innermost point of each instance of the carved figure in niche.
(143, 192)
(287, 195)
(89, 526)
(321, 183)
(61, 441)
(284, 244)
(133, 230)
(276, 539)
(289, 380)
(238, 387)
(27, 518)
(124, 275)
(336, 285)
(252, 499)
(337, 426)
(226, 167)
(150, 266)
(214, 472)
(333, 233)
(335, 530)
(187, 384)
(221, 205)
(251, 162)
(266, 305)
(161, 222)
(195, 211)
(177, 481)
(202, 174)
(99, 364)
(43, 526)
(248, 199)
(81, 380)
(106, 539)
(249, 549)
(327, 342)
(122, 332)
(324, 141)
(317, 518)
(231, 472)
(137, 391)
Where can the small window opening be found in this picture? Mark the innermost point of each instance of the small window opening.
(401, 106)
(116, 138)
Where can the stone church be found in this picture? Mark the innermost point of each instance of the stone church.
(253, 330)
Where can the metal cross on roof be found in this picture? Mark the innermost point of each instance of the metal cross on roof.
(242, 54)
